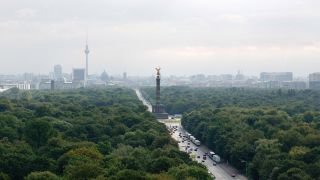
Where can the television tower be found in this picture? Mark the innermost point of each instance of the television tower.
(87, 55)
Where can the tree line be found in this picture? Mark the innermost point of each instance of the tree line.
(86, 134)
(268, 134)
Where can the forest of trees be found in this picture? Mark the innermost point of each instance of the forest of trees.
(274, 134)
(86, 134)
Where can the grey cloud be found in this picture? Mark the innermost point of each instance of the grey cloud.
(208, 36)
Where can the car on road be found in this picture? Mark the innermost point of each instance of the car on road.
(198, 157)
(214, 163)
(233, 175)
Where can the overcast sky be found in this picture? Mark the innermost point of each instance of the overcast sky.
(183, 37)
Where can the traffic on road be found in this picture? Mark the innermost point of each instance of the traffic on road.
(201, 153)
(197, 151)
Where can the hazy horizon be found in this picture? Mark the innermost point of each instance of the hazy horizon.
(183, 37)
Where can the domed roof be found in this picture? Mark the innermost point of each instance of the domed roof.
(104, 76)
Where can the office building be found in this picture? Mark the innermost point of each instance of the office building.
(21, 86)
(314, 80)
(294, 85)
(47, 84)
(226, 77)
(124, 76)
(276, 76)
(78, 74)
(239, 76)
(58, 72)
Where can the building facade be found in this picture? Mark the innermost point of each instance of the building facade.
(79, 74)
(276, 76)
(314, 80)
(57, 72)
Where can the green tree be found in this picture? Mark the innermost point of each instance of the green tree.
(5, 105)
(45, 175)
(187, 172)
(38, 132)
(130, 174)
(4, 176)
(81, 163)
(294, 174)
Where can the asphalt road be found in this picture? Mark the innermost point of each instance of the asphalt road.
(146, 103)
(221, 171)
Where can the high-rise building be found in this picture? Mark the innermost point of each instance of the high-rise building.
(78, 74)
(58, 72)
(124, 76)
(226, 77)
(314, 80)
(239, 76)
(294, 85)
(28, 77)
(276, 76)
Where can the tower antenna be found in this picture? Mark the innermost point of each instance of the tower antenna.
(86, 51)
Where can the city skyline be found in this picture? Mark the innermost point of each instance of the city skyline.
(184, 38)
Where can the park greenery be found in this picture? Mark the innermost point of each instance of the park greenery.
(268, 134)
(87, 134)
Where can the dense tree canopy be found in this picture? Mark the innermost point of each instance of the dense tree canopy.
(181, 99)
(275, 134)
(86, 134)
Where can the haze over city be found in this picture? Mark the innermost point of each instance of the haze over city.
(182, 36)
(160, 89)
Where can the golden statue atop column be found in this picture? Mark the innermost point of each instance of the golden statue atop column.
(158, 71)
(157, 108)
